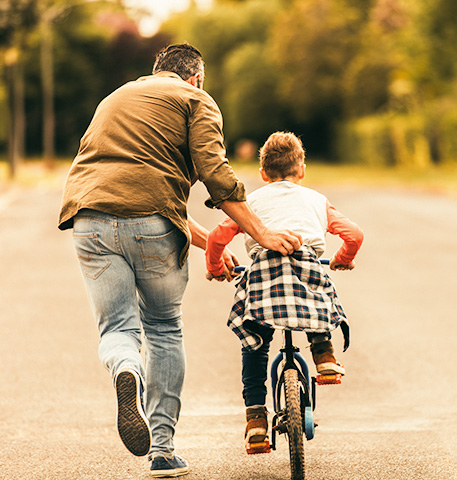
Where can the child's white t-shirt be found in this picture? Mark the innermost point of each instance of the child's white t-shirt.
(286, 205)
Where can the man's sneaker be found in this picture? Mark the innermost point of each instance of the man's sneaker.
(325, 360)
(132, 424)
(257, 424)
(166, 467)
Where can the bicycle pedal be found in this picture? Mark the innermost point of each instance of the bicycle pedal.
(260, 447)
(329, 379)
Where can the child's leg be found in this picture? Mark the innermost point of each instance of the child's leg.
(323, 354)
(254, 376)
(318, 337)
(255, 364)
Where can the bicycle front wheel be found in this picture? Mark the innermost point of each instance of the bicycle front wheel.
(294, 424)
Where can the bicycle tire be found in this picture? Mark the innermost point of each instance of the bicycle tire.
(294, 424)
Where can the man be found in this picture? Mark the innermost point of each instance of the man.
(126, 198)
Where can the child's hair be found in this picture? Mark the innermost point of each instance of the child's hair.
(281, 155)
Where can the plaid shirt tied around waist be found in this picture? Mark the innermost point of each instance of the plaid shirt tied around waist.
(285, 292)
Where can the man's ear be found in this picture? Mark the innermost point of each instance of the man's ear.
(196, 80)
(302, 171)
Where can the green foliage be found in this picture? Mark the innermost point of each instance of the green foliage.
(362, 71)
(442, 129)
(3, 118)
(312, 43)
(219, 32)
(373, 80)
(15, 17)
(407, 140)
(252, 108)
(365, 141)
(441, 32)
(448, 138)
(95, 52)
(239, 74)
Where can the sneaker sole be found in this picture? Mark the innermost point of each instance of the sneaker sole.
(132, 424)
(256, 435)
(330, 369)
(256, 439)
(176, 472)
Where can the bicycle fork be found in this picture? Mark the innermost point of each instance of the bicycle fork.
(291, 357)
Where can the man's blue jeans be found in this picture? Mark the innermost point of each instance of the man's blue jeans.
(134, 283)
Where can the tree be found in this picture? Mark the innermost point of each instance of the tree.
(252, 109)
(96, 48)
(239, 72)
(16, 18)
(312, 44)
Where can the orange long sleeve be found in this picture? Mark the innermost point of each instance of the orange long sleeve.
(348, 231)
(218, 239)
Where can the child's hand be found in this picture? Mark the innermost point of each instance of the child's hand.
(210, 276)
(229, 261)
(334, 265)
(227, 275)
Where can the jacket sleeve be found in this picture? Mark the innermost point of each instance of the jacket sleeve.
(348, 231)
(218, 238)
(207, 150)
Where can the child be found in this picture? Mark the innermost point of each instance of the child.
(278, 291)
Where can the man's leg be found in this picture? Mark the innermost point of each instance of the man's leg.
(110, 285)
(160, 307)
(154, 249)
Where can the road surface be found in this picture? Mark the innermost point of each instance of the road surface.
(393, 418)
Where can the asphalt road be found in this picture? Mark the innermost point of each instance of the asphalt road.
(393, 418)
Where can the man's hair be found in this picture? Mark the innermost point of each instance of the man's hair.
(281, 155)
(181, 58)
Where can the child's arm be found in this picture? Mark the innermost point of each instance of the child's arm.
(349, 232)
(218, 238)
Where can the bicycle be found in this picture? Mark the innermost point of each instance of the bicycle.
(293, 417)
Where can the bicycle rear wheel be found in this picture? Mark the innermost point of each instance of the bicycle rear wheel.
(294, 424)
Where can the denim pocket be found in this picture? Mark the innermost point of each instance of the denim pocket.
(93, 262)
(158, 252)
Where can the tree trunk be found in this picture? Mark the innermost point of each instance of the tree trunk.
(16, 116)
(47, 76)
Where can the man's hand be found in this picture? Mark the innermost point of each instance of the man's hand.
(334, 265)
(284, 242)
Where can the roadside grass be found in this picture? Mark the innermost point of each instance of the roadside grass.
(437, 179)
(35, 172)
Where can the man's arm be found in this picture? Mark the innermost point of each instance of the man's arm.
(284, 242)
(198, 234)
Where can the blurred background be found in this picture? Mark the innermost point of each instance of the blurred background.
(371, 88)
(364, 82)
